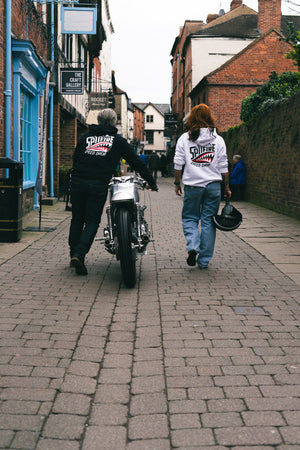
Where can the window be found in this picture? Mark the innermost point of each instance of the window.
(149, 119)
(26, 135)
(150, 136)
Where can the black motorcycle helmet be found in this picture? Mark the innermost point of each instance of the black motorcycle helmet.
(229, 219)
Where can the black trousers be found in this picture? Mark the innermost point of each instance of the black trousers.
(88, 198)
(238, 191)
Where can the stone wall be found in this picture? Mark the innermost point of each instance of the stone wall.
(270, 148)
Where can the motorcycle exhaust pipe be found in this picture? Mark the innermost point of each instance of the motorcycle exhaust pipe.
(145, 238)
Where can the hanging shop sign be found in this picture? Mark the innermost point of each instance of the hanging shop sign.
(72, 81)
(78, 20)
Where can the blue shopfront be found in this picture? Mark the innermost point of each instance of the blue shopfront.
(29, 74)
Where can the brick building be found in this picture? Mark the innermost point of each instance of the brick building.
(36, 116)
(229, 57)
(24, 51)
(138, 123)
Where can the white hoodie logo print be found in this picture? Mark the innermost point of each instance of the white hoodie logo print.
(202, 155)
(98, 145)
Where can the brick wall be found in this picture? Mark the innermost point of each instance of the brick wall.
(269, 15)
(68, 139)
(26, 23)
(271, 152)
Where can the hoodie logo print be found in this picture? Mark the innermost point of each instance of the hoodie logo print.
(98, 145)
(203, 155)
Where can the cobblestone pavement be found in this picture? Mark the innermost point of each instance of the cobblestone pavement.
(188, 359)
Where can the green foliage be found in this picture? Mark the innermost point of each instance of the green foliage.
(277, 89)
(64, 174)
(294, 39)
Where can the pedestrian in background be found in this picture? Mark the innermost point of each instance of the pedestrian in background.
(201, 152)
(163, 165)
(154, 164)
(238, 178)
(95, 159)
(143, 157)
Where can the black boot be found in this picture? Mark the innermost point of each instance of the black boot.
(77, 261)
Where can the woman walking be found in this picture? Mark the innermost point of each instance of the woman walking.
(201, 160)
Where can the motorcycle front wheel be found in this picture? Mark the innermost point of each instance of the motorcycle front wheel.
(127, 251)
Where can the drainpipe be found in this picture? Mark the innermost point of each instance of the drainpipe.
(51, 101)
(50, 139)
(7, 92)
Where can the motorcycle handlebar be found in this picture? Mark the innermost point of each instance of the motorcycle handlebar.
(129, 179)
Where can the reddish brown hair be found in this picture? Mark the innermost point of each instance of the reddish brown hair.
(200, 117)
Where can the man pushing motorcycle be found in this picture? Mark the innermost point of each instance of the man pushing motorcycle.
(95, 159)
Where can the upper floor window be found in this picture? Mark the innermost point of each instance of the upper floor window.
(149, 119)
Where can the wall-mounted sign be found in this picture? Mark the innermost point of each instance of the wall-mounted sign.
(78, 20)
(171, 120)
(72, 81)
(99, 100)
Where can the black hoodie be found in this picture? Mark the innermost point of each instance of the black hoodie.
(98, 153)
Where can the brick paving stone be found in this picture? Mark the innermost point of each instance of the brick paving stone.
(72, 404)
(86, 363)
(179, 421)
(143, 385)
(105, 438)
(19, 407)
(64, 426)
(148, 404)
(271, 418)
(148, 426)
(221, 420)
(57, 444)
(248, 436)
(79, 384)
(25, 440)
(6, 437)
(151, 444)
(112, 393)
(108, 414)
(192, 437)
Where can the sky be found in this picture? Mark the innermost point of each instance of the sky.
(144, 33)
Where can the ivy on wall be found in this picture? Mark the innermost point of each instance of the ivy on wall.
(276, 90)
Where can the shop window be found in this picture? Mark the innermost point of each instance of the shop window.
(26, 135)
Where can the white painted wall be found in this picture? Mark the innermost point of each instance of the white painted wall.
(209, 53)
(105, 54)
(79, 102)
(158, 124)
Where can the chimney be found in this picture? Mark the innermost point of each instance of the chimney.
(269, 15)
(211, 17)
(235, 4)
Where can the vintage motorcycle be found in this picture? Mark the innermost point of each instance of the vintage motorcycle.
(127, 233)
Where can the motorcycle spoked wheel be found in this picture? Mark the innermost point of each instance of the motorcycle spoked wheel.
(127, 252)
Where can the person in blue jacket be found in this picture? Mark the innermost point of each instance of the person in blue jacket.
(238, 178)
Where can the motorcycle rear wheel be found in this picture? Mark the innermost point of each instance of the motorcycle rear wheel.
(127, 252)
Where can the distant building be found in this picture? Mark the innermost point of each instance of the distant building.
(226, 59)
(154, 126)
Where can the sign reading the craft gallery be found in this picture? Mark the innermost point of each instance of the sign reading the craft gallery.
(72, 81)
(78, 20)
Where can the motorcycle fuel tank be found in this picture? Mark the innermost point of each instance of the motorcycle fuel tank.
(122, 192)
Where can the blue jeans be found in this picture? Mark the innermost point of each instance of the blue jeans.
(201, 204)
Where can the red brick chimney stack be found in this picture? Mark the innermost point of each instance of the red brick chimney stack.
(269, 15)
(235, 4)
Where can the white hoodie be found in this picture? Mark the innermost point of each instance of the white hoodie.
(204, 160)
